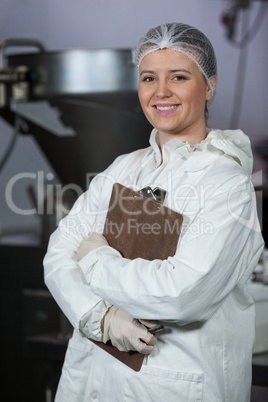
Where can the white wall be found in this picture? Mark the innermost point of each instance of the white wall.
(64, 24)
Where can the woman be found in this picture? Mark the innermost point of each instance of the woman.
(199, 294)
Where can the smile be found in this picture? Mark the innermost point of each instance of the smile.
(165, 107)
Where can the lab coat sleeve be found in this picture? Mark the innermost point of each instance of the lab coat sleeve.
(83, 308)
(220, 249)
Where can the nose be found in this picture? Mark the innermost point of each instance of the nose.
(163, 90)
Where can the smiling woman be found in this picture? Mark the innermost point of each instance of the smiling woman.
(173, 94)
(199, 294)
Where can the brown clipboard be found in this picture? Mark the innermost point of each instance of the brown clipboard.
(139, 227)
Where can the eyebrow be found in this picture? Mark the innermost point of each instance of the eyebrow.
(180, 70)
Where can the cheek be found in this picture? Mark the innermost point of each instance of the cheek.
(195, 95)
(141, 96)
(144, 97)
(142, 90)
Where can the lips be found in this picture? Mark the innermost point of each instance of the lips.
(166, 108)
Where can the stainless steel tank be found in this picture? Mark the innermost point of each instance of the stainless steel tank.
(79, 71)
(95, 92)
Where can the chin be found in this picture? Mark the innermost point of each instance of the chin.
(169, 130)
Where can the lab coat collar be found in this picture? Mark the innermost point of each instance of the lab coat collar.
(179, 149)
(233, 143)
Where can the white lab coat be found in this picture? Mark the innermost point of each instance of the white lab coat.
(199, 294)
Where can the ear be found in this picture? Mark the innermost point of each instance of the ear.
(211, 87)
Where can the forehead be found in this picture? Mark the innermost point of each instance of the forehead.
(167, 59)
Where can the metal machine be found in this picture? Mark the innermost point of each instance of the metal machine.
(80, 105)
(82, 108)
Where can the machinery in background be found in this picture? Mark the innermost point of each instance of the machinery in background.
(230, 17)
(81, 107)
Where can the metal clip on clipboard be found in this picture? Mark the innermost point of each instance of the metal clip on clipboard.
(157, 194)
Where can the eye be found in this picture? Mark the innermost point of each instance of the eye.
(148, 79)
(179, 78)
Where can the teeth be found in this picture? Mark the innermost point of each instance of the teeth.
(165, 107)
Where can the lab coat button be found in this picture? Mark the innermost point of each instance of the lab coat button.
(94, 395)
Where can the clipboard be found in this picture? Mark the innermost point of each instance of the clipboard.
(139, 227)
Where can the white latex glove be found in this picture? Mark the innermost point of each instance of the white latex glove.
(94, 241)
(126, 333)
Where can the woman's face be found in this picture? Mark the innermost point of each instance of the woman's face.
(173, 94)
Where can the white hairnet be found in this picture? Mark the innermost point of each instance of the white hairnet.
(182, 38)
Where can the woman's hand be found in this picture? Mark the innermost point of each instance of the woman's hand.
(94, 241)
(127, 333)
